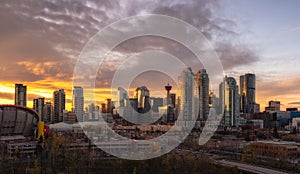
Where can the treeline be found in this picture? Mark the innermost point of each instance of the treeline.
(54, 158)
(170, 163)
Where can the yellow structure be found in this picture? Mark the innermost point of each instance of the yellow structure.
(41, 130)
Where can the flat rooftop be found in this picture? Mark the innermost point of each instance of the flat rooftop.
(12, 138)
(282, 143)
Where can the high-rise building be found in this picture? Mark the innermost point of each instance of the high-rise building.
(170, 115)
(173, 100)
(202, 83)
(48, 112)
(186, 94)
(142, 95)
(213, 100)
(103, 108)
(156, 103)
(134, 103)
(59, 100)
(78, 103)
(256, 108)
(122, 98)
(93, 112)
(274, 106)
(20, 95)
(229, 102)
(38, 106)
(247, 93)
(131, 110)
(108, 105)
(69, 117)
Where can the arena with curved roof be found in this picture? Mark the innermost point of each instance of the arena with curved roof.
(17, 120)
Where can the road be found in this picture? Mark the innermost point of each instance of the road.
(241, 166)
(250, 168)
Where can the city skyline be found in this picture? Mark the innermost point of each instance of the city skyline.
(133, 91)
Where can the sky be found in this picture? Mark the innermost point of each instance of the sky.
(40, 42)
(273, 29)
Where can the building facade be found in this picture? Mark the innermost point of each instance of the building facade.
(229, 102)
(59, 100)
(274, 106)
(173, 99)
(38, 106)
(93, 112)
(109, 105)
(78, 102)
(186, 96)
(103, 108)
(69, 117)
(202, 83)
(142, 94)
(20, 95)
(48, 111)
(156, 103)
(247, 93)
(281, 150)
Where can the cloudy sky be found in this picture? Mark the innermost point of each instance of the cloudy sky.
(41, 40)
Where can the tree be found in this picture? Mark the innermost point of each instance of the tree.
(294, 131)
(275, 132)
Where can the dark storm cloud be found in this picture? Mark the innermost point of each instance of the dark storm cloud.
(34, 32)
(200, 14)
(233, 55)
(132, 46)
(42, 39)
